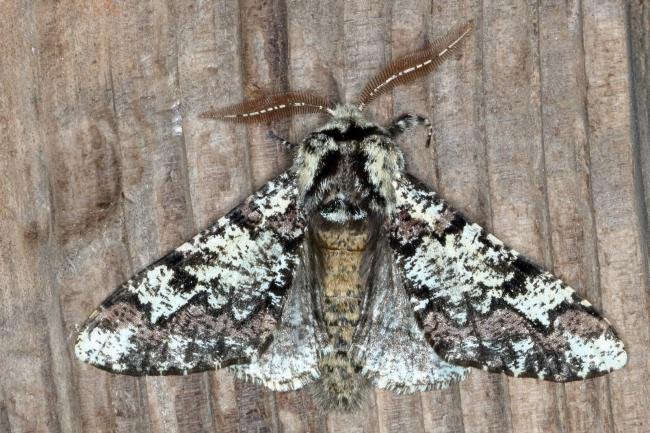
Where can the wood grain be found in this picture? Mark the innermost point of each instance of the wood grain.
(571, 221)
(541, 135)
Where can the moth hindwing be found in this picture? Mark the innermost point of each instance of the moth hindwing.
(346, 273)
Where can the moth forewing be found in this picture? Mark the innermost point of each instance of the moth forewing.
(212, 302)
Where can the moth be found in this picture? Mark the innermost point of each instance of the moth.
(347, 273)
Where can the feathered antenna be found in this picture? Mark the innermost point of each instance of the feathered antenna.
(271, 107)
(414, 65)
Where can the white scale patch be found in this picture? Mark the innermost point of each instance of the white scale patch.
(341, 215)
(271, 206)
(381, 166)
(282, 371)
(426, 209)
(156, 291)
(460, 262)
(234, 249)
(542, 295)
(104, 347)
(463, 261)
(601, 354)
(307, 163)
(176, 349)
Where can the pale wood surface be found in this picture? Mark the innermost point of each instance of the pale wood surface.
(541, 135)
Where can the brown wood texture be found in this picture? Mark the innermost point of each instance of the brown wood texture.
(541, 135)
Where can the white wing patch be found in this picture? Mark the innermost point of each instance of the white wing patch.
(102, 347)
(535, 302)
(156, 291)
(581, 349)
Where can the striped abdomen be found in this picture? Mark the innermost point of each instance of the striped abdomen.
(341, 387)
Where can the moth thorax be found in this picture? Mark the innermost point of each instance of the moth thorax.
(342, 249)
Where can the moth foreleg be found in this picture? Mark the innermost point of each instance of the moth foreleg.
(407, 121)
(281, 141)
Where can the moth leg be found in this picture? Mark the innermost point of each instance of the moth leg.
(407, 121)
(281, 141)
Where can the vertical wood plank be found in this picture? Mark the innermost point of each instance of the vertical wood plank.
(157, 209)
(298, 412)
(622, 265)
(441, 411)
(638, 20)
(564, 134)
(315, 38)
(460, 157)
(399, 413)
(226, 412)
(210, 77)
(515, 165)
(412, 26)
(35, 368)
(365, 50)
(263, 32)
(80, 125)
(256, 408)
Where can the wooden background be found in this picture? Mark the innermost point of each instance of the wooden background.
(541, 135)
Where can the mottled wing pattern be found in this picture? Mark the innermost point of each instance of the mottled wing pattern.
(389, 344)
(212, 302)
(481, 304)
(291, 360)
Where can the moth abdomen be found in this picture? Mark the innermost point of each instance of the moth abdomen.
(341, 386)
